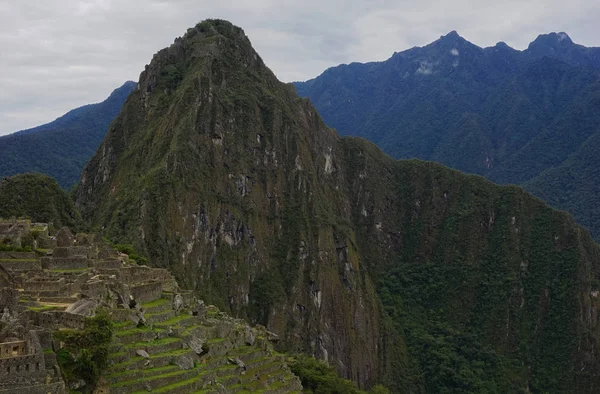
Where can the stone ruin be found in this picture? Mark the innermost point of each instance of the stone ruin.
(57, 285)
(166, 340)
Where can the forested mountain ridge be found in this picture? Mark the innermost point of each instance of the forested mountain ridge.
(513, 116)
(62, 147)
(39, 198)
(402, 272)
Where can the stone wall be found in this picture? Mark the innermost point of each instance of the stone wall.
(71, 263)
(108, 264)
(13, 349)
(46, 243)
(96, 289)
(18, 255)
(51, 388)
(45, 284)
(55, 320)
(147, 292)
(21, 265)
(22, 366)
(9, 298)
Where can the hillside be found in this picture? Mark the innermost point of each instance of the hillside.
(39, 198)
(61, 148)
(508, 115)
(402, 272)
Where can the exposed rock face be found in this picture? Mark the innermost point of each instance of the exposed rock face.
(220, 172)
(246, 217)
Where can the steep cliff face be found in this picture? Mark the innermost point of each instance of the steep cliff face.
(220, 172)
(223, 174)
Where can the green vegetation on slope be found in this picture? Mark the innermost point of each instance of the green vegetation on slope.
(319, 378)
(85, 352)
(516, 117)
(39, 198)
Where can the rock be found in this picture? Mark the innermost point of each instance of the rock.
(272, 336)
(107, 253)
(141, 317)
(64, 238)
(199, 309)
(142, 353)
(237, 361)
(178, 303)
(184, 362)
(5, 315)
(250, 336)
(77, 384)
(224, 329)
(85, 307)
(196, 345)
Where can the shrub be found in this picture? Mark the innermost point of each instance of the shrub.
(85, 352)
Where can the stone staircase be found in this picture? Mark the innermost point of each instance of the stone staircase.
(234, 357)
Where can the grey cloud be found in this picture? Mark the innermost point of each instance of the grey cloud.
(60, 54)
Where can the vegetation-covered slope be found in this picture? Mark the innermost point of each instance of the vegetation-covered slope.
(61, 148)
(508, 115)
(403, 272)
(39, 198)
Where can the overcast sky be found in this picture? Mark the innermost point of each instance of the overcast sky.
(56, 55)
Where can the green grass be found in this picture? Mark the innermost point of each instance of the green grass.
(131, 331)
(149, 371)
(159, 302)
(122, 324)
(166, 389)
(43, 308)
(173, 321)
(150, 378)
(156, 342)
(135, 359)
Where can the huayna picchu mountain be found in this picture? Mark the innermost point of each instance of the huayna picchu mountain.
(401, 272)
(61, 148)
(516, 117)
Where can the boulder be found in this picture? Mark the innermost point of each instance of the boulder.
(85, 307)
(196, 345)
(237, 361)
(185, 362)
(199, 309)
(178, 303)
(250, 337)
(142, 353)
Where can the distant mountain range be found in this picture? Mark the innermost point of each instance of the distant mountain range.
(528, 117)
(61, 148)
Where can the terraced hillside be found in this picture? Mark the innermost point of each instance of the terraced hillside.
(165, 340)
(195, 354)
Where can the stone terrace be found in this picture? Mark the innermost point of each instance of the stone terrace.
(165, 340)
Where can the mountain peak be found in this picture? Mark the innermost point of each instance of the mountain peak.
(451, 36)
(551, 40)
